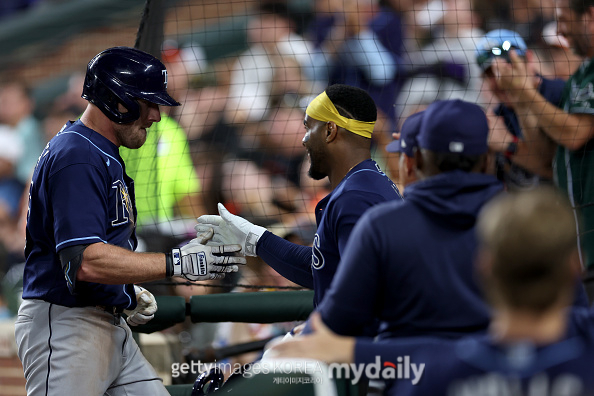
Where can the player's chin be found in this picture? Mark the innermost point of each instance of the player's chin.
(137, 140)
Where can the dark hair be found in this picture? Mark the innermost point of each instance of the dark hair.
(447, 162)
(352, 102)
(580, 6)
(274, 7)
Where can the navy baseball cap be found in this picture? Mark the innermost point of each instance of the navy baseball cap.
(498, 43)
(408, 135)
(454, 126)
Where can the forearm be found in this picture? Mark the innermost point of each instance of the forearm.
(569, 130)
(290, 260)
(109, 264)
(536, 150)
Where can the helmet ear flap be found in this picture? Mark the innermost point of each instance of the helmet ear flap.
(107, 100)
(129, 103)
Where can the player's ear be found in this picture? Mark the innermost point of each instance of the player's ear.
(331, 131)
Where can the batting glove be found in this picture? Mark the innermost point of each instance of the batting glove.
(231, 229)
(198, 262)
(146, 306)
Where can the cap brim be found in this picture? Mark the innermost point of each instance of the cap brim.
(162, 98)
(393, 146)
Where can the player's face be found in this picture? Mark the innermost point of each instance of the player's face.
(313, 141)
(574, 28)
(133, 135)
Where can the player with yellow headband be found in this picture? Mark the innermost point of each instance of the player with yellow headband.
(338, 128)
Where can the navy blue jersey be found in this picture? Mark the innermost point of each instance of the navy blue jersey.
(80, 194)
(478, 366)
(336, 214)
(410, 264)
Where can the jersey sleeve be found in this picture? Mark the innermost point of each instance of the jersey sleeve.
(288, 259)
(78, 195)
(346, 212)
(351, 303)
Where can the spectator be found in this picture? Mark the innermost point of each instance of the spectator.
(16, 111)
(572, 128)
(167, 187)
(556, 58)
(518, 163)
(444, 68)
(528, 264)
(367, 42)
(272, 37)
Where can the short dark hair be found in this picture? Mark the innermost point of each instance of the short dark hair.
(352, 102)
(580, 6)
(447, 162)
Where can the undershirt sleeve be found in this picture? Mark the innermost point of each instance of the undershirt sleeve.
(289, 259)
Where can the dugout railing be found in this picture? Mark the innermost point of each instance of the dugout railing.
(253, 307)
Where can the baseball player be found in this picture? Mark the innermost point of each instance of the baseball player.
(80, 265)
(338, 127)
(534, 346)
(405, 144)
(419, 273)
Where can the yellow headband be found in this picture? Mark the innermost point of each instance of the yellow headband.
(322, 109)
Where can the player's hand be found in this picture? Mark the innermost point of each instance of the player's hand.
(196, 261)
(146, 306)
(322, 344)
(230, 229)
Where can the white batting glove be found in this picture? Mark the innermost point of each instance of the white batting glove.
(146, 306)
(231, 229)
(197, 262)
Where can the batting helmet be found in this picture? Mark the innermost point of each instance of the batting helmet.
(123, 75)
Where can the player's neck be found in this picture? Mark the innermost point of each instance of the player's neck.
(339, 172)
(508, 326)
(93, 118)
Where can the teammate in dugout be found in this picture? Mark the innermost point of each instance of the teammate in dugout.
(338, 127)
(528, 264)
(418, 253)
(80, 260)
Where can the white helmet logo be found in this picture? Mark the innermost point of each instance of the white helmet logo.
(164, 73)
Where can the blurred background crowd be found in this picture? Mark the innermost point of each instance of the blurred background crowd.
(244, 72)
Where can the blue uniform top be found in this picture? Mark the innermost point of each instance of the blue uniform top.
(410, 264)
(80, 194)
(336, 214)
(479, 366)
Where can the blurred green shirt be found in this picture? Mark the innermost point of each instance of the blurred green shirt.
(162, 170)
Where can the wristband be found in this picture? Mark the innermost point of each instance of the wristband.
(172, 260)
(512, 148)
